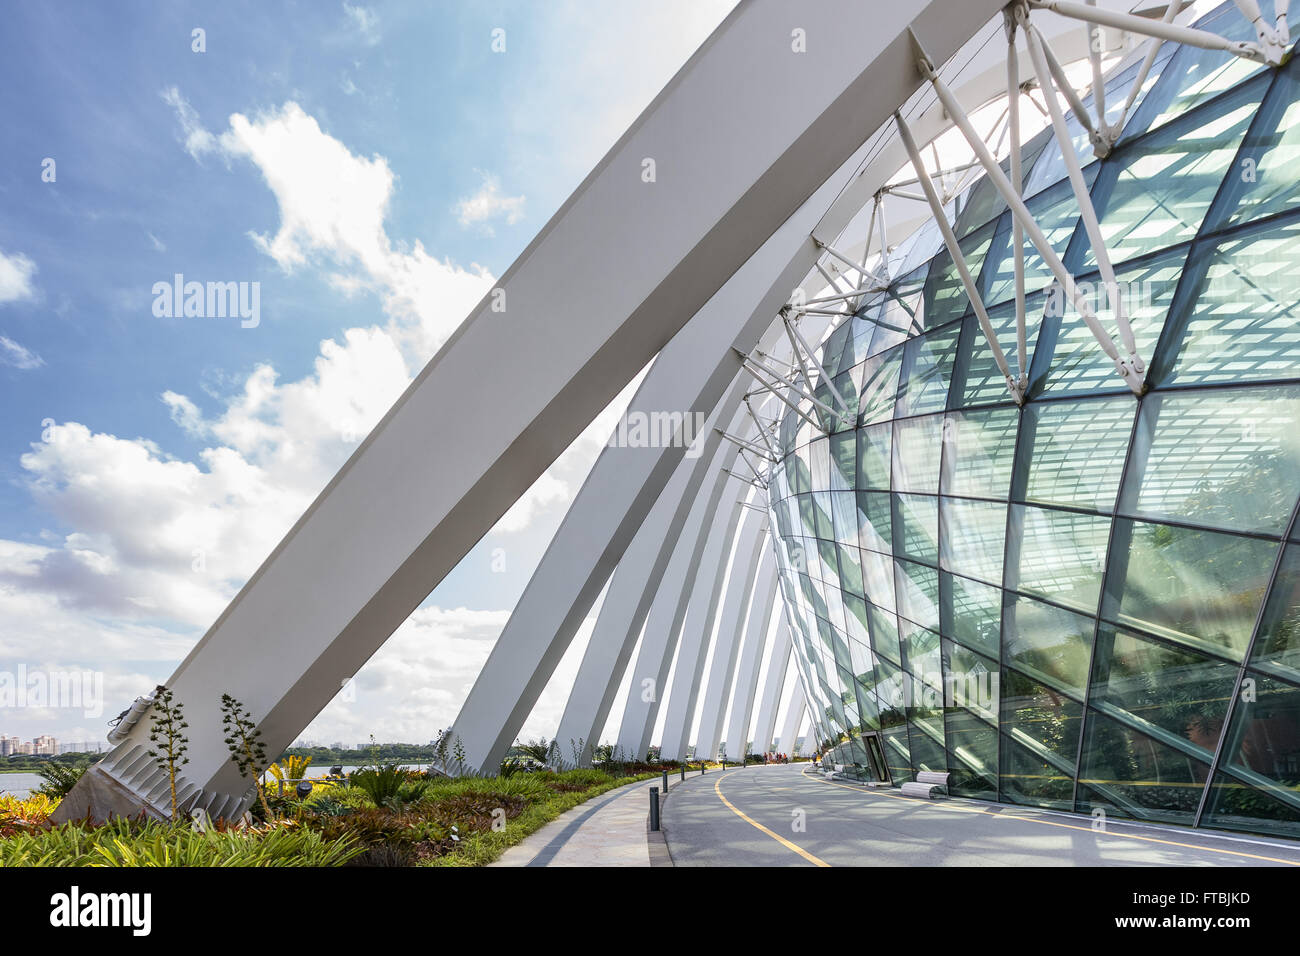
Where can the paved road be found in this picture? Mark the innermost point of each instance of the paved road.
(747, 818)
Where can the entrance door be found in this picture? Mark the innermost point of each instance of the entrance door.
(876, 757)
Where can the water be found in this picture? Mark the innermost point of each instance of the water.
(19, 784)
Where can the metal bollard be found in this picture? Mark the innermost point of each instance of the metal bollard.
(683, 770)
(665, 773)
(701, 768)
(654, 808)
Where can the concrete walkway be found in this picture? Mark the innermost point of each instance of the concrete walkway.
(611, 830)
(777, 816)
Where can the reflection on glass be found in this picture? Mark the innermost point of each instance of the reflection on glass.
(1049, 644)
(974, 533)
(1199, 588)
(1173, 694)
(1129, 774)
(1076, 451)
(1228, 458)
(1062, 555)
(917, 453)
(978, 452)
(1277, 648)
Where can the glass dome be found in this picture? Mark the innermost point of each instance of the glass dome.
(1090, 600)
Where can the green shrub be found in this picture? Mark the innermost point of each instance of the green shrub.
(132, 843)
(59, 778)
(382, 784)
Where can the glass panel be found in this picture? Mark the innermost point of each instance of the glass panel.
(927, 370)
(972, 613)
(1029, 780)
(918, 593)
(1229, 458)
(1068, 358)
(844, 515)
(1263, 183)
(1049, 644)
(1240, 321)
(1277, 648)
(974, 536)
(878, 579)
(875, 521)
(1154, 193)
(946, 298)
(1194, 75)
(1200, 588)
(981, 382)
(874, 456)
(1263, 750)
(1062, 555)
(1177, 696)
(1235, 805)
(921, 656)
(1057, 214)
(918, 444)
(844, 461)
(1076, 451)
(916, 527)
(1042, 719)
(971, 682)
(972, 755)
(884, 635)
(1130, 774)
(978, 451)
(879, 392)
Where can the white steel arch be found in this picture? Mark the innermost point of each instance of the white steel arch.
(691, 270)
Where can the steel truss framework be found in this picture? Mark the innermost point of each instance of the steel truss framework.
(811, 292)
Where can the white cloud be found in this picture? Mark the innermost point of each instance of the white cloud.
(19, 356)
(16, 273)
(489, 203)
(333, 205)
(197, 140)
(156, 545)
(364, 20)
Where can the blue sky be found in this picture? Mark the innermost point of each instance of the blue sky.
(371, 167)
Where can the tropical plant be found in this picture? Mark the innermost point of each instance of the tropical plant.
(57, 779)
(539, 749)
(154, 843)
(244, 741)
(167, 734)
(383, 785)
(289, 768)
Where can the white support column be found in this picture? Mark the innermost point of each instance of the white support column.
(751, 555)
(796, 707)
(701, 619)
(778, 664)
(745, 686)
(618, 622)
(667, 616)
(693, 371)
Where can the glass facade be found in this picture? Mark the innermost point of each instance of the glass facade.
(1091, 600)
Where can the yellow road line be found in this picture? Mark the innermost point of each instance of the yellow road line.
(1067, 826)
(815, 861)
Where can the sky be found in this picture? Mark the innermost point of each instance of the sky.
(360, 173)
